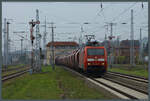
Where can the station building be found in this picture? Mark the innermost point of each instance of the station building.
(61, 48)
(124, 48)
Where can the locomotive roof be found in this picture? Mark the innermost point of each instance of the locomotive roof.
(93, 43)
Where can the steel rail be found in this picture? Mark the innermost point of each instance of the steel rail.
(11, 69)
(111, 87)
(127, 94)
(136, 78)
(13, 75)
(126, 85)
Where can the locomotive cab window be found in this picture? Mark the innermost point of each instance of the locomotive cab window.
(93, 51)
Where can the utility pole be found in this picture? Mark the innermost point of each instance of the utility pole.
(44, 37)
(5, 44)
(44, 42)
(106, 46)
(118, 45)
(132, 62)
(117, 48)
(80, 38)
(21, 45)
(141, 47)
(52, 46)
(105, 37)
(7, 47)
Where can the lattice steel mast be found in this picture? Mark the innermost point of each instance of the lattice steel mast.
(38, 43)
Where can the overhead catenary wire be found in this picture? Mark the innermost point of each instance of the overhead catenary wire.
(135, 14)
(97, 26)
(100, 12)
(118, 16)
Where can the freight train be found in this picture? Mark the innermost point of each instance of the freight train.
(90, 58)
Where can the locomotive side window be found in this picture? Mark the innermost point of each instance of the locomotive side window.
(92, 51)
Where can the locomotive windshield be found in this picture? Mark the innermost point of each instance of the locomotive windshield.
(93, 51)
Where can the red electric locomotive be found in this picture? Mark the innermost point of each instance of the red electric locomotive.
(93, 59)
(90, 58)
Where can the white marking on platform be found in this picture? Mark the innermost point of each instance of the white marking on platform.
(108, 89)
(124, 89)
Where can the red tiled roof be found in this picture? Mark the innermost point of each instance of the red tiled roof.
(62, 44)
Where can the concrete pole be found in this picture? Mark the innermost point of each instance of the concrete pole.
(52, 46)
(118, 45)
(81, 36)
(111, 41)
(44, 38)
(7, 47)
(44, 43)
(106, 46)
(111, 29)
(149, 44)
(1, 50)
(141, 46)
(105, 41)
(5, 44)
(21, 46)
(132, 61)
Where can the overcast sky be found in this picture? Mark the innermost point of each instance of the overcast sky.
(69, 17)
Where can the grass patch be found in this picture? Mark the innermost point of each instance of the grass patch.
(57, 84)
(137, 70)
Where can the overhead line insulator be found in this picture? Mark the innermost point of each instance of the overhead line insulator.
(142, 5)
(101, 5)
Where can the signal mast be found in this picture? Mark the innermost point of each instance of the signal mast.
(32, 23)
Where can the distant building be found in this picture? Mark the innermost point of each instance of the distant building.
(60, 49)
(124, 48)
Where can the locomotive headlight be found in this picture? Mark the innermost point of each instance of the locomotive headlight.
(102, 63)
(100, 59)
(90, 59)
(89, 63)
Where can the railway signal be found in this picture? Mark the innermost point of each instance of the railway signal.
(32, 23)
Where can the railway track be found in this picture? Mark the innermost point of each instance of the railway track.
(14, 75)
(116, 87)
(135, 83)
(137, 78)
(12, 69)
(127, 92)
